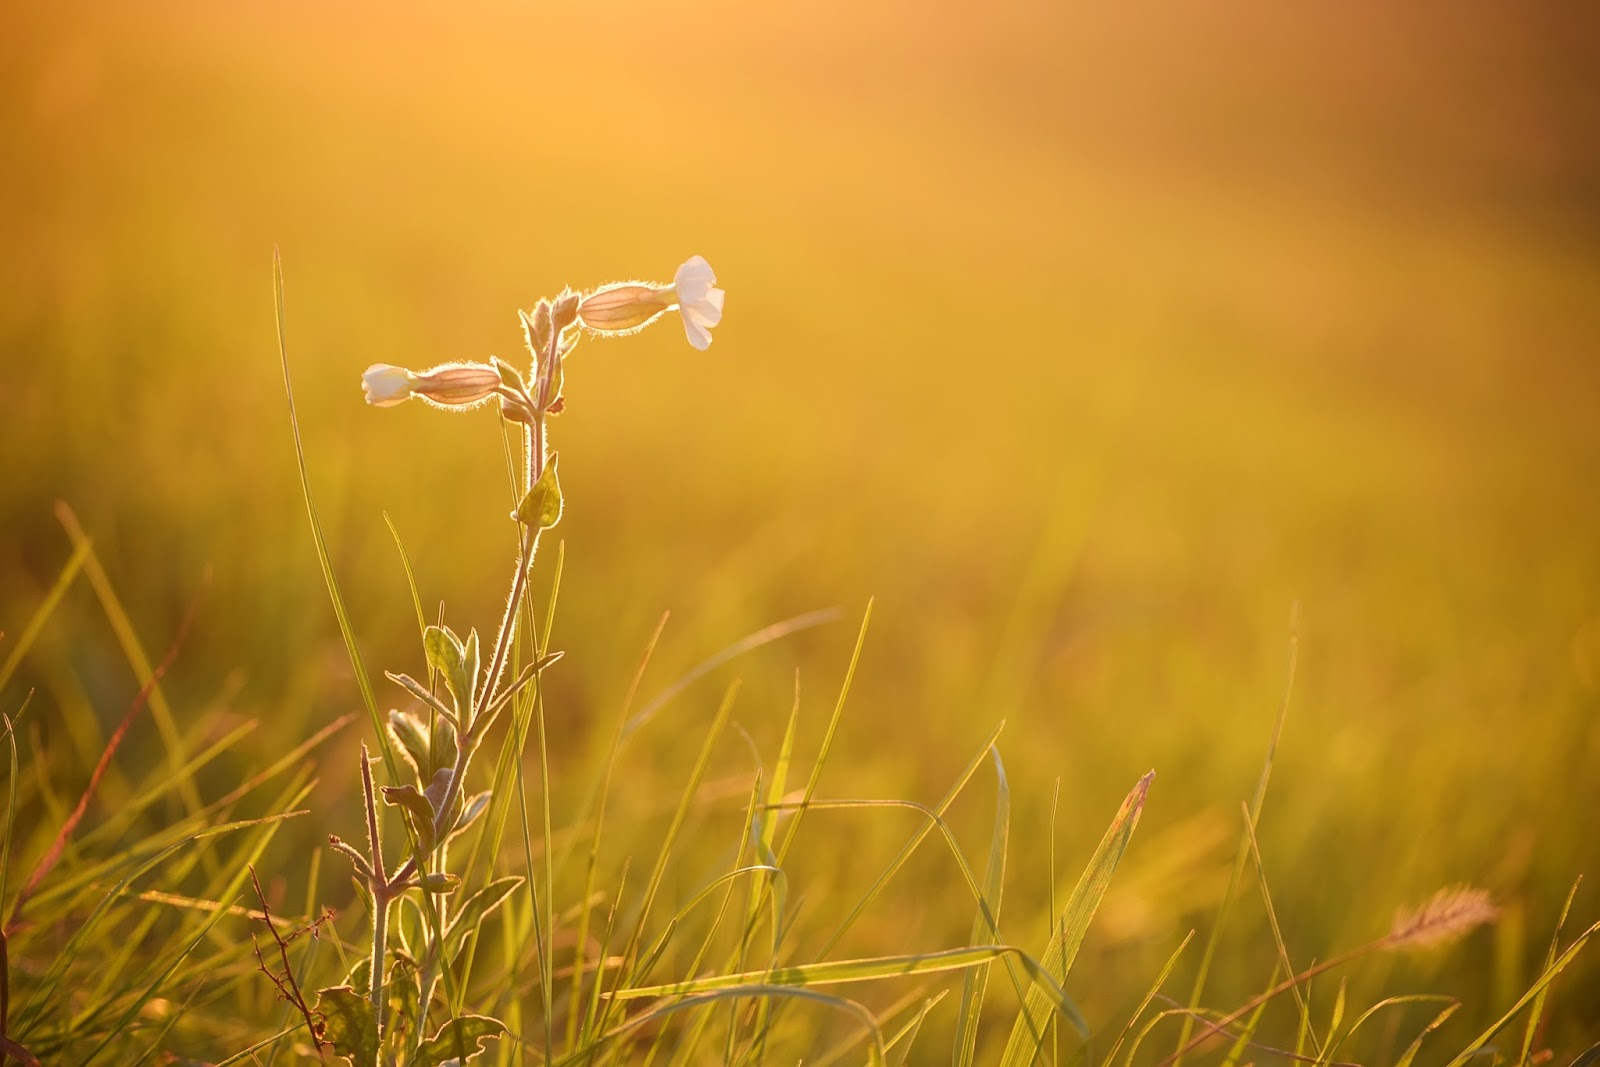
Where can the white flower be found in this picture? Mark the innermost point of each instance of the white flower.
(386, 386)
(699, 300)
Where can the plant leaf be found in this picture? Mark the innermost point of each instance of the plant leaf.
(477, 907)
(541, 507)
(411, 740)
(349, 1025)
(458, 1041)
(418, 808)
(457, 663)
(404, 991)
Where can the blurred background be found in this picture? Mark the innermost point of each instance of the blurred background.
(1087, 339)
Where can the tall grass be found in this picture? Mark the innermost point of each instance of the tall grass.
(490, 920)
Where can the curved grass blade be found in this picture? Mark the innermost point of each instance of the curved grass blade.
(843, 972)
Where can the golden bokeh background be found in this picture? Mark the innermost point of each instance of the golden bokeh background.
(1088, 339)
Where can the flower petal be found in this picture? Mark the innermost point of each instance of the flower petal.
(694, 279)
(385, 385)
(699, 336)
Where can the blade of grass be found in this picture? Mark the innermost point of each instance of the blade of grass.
(1439, 1020)
(603, 791)
(1387, 1002)
(53, 854)
(908, 1033)
(827, 736)
(843, 1048)
(765, 635)
(870, 969)
(1530, 1033)
(47, 606)
(1197, 990)
(1300, 1001)
(324, 559)
(987, 919)
(936, 821)
(1144, 1005)
(155, 987)
(1561, 963)
(1081, 906)
(133, 651)
(653, 885)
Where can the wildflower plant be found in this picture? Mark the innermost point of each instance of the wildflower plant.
(437, 743)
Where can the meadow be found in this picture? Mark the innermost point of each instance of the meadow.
(1118, 368)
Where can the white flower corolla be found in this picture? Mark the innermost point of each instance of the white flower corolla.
(628, 307)
(699, 300)
(386, 386)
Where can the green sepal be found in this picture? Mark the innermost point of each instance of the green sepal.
(536, 329)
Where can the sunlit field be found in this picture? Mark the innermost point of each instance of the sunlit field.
(1210, 390)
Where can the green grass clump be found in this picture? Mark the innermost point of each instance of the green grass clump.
(154, 911)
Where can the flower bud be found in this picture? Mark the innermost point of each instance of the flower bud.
(565, 311)
(623, 308)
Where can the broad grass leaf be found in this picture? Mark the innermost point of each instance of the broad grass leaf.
(1080, 909)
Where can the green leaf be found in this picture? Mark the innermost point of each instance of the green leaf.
(473, 808)
(986, 922)
(411, 740)
(458, 1041)
(439, 882)
(420, 691)
(437, 789)
(407, 928)
(541, 507)
(477, 907)
(1081, 906)
(404, 991)
(456, 662)
(417, 807)
(442, 745)
(349, 1025)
